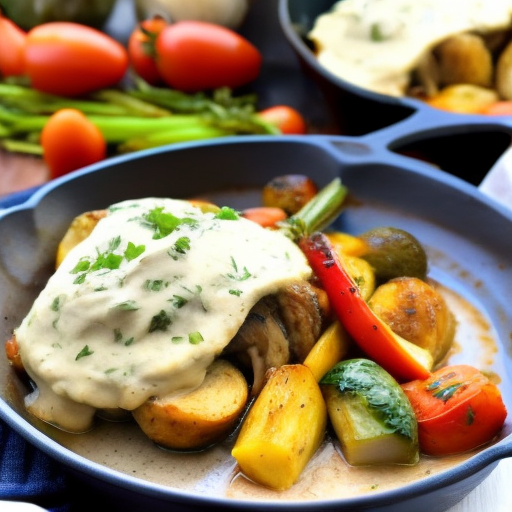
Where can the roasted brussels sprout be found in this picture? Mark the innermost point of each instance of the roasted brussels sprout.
(289, 192)
(393, 252)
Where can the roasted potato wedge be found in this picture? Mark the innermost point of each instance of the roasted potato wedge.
(199, 419)
(78, 230)
(271, 448)
(331, 347)
(503, 77)
(417, 312)
(465, 59)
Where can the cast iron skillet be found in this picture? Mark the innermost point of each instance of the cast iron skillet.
(361, 111)
(466, 232)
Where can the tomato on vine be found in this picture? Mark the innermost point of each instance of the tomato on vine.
(194, 55)
(142, 51)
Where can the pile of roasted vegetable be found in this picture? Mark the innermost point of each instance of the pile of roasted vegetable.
(74, 95)
(366, 355)
(457, 59)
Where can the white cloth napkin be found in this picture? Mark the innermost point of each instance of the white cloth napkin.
(498, 182)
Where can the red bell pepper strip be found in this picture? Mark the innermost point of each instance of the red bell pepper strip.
(372, 334)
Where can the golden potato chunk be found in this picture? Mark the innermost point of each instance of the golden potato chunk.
(199, 419)
(417, 312)
(272, 448)
(331, 347)
(465, 59)
(78, 230)
(504, 73)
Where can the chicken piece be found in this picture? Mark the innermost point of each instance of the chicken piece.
(279, 329)
(302, 316)
(261, 342)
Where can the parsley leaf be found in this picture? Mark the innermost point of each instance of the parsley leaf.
(132, 251)
(164, 223)
(83, 353)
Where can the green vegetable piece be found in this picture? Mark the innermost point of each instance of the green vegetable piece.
(370, 414)
(393, 252)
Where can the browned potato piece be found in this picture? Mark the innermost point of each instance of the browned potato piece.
(78, 230)
(464, 59)
(417, 312)
(198, 419)
(289, 192)
(503, 77)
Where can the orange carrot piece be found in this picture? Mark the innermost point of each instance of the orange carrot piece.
(266, 216)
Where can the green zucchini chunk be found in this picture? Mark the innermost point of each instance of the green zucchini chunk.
(370, 414)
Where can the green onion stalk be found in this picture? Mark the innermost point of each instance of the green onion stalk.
(318, 213)
(133, 119)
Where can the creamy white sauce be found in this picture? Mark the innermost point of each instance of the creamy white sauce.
(113, 337)
(375, 44)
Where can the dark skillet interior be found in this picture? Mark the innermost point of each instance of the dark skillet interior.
(468, 155)
(451, 218)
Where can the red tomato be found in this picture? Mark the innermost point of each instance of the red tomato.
(70, 59)
(11, 48)
(287, 119)
(142, 51)
(70, 141)
(457, 408)
(195, 55)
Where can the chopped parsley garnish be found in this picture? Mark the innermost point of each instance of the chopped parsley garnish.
(376, 34)
(181, 246)
(227, 213)
(194, 338)
(107, 260)
(160, 322)
(164, 223)
(178, 301)
(236, 292)
(177, 339)
(127, 305)
(155, 285)
(133, 251)
(83, 353)
(57, 303)
(245, 274)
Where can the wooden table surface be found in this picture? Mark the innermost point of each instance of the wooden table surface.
(19, 172)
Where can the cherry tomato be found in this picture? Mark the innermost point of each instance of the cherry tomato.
(457, 408)
(142, 51)
(287, 119)
(11, 48)
(70, 141)
(70, 59)
(195, 55)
